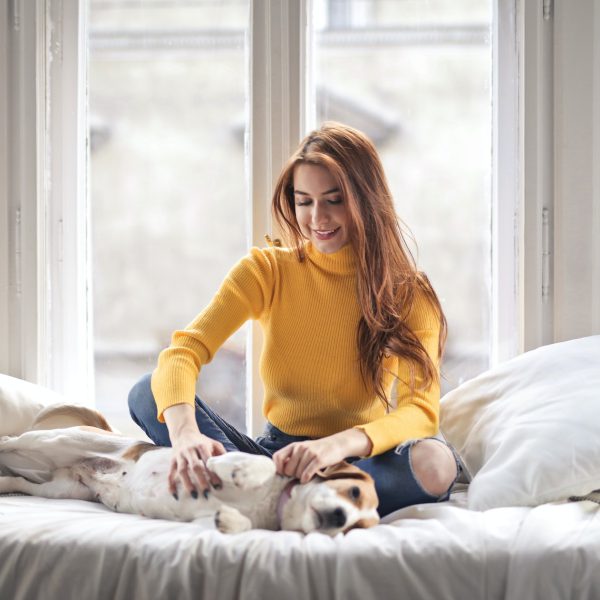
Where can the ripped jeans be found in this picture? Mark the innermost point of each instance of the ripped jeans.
(392, 471)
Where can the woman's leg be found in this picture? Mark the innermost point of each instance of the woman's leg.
(404, 475)
(142, 409)
(273, 439)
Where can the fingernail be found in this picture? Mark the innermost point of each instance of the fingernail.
(205, 494)
(175, 496)
(217, 486)
(194, 494)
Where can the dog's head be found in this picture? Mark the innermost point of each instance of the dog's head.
(339, 498)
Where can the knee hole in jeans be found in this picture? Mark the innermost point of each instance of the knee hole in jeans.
(433, 466)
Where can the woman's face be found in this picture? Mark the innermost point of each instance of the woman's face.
(320, 208)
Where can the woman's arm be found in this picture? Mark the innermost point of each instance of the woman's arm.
(191, 450)
(302, 460)
(244, 294)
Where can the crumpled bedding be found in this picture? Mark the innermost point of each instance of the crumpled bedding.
(74, 549)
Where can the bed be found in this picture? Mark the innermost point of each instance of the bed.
(523, 528)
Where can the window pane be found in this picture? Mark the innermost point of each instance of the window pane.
(416, 77)
(167, 126)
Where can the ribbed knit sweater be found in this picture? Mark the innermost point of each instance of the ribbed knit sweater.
(309, 313)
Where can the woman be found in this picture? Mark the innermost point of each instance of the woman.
(344, 313)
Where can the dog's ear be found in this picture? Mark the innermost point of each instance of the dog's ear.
(59, 416)
(344, 470)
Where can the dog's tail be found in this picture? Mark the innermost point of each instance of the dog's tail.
(58, 416)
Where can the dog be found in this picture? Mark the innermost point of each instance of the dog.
(72, 452)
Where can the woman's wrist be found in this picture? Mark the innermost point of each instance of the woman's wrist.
(355, 442)
(180, 420)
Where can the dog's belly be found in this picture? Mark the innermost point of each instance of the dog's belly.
(259, 505)
(144, 490)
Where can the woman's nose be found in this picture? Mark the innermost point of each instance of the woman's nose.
(319, 214)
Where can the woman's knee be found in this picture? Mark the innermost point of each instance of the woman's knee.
(433, 466)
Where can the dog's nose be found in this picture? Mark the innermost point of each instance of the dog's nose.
(335, 518)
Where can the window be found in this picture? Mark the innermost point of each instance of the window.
(178, 89)
(167, 94)
(416, 77)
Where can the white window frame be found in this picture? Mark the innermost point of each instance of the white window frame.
(505, 182)
(44, 259)
(536, 181)
(280, 114)
(45, 299)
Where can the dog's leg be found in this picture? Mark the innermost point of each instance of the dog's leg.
(246, 471)
(104, 478)
(62, 447)
(231, 520)
(62, 485)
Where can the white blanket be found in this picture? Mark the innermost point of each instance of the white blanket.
(73, 549)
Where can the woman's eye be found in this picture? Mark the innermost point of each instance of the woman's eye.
(308, 202)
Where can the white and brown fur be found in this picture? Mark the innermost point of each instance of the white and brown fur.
(71, 452)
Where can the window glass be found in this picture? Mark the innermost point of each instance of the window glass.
(167, 87)
(416, 77)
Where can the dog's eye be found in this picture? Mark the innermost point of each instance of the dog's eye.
(354, 492)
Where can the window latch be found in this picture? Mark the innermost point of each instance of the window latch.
(545, 254)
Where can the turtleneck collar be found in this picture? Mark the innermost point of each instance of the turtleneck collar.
(342, 262)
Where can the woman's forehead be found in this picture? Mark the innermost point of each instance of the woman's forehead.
(313, 178)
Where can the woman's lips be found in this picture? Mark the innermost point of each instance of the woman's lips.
(325, 234)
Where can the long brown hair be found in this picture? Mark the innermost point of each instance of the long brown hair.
(388, 279)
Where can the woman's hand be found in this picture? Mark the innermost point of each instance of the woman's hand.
(191, 450)
(302, 460)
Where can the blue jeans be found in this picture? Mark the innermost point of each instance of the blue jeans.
(392, 471)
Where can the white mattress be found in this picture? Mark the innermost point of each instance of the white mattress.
(74, 549)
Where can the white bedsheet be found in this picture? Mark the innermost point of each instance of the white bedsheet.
(73, 549)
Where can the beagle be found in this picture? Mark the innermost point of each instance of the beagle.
(71, 452)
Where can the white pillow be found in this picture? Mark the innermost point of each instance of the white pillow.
(20, 403)
(528, 430)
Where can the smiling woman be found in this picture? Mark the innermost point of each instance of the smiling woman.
(321, 211)
(345, 314)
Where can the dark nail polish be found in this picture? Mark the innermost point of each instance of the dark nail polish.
(205, 494)
(217, 486)
(175, 496)
(194, 494)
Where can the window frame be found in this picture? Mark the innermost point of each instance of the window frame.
(44, 275)
(280, 92)
(47, 253)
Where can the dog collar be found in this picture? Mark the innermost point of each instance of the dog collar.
(285, 495)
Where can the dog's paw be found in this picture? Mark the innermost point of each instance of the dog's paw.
(252, 474)
(245, 471)
(231, 520)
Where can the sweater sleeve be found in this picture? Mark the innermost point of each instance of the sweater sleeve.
(246, 293)
(416, 414)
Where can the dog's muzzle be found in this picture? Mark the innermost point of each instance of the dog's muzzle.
(332, 519)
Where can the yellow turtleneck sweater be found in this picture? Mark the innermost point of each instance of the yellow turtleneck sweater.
(309, 365)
